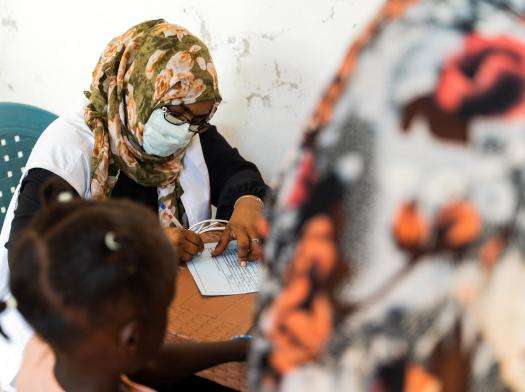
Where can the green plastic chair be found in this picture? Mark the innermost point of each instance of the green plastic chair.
(20, 127)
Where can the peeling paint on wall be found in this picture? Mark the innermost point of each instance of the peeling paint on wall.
(265, 99)
(246, 48)
(273, 58)
(241, 48)
(331, 16)
(9, 23)
(279, 82)
(204, 34)
(273, 36)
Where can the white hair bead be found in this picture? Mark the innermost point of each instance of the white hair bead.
(64, 197)
(111, 241)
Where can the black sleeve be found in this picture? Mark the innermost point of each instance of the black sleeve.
(29, 199)
(231, 176)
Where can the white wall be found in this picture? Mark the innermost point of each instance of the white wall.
(273, 57)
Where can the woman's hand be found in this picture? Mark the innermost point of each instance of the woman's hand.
(187, 242)
(243, 227)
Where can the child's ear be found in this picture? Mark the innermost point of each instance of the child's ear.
(129, 337)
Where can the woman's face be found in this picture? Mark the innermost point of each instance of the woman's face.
(170, 129)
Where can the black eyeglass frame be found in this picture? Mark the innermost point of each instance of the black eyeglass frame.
(198, 124)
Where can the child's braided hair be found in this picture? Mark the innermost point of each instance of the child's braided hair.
(79, 261)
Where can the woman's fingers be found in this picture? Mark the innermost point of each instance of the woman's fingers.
(246, 248)
(185, 256)
(191, 248)
(223, 242)
(194, 239)
(255, 245)
(243, 246)
(187, 242)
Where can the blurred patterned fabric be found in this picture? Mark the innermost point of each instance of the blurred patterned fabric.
(395, 256)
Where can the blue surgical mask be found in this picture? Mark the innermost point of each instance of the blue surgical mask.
(163, 138)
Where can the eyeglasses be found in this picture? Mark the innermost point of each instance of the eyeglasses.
(181, 115)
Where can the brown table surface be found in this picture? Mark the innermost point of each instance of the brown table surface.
(194, 317)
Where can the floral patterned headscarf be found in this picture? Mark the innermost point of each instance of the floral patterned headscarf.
(396, 255)
(152, 65)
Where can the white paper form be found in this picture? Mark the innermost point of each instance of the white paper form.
(223, 275)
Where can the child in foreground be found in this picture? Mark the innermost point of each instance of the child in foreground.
(94, 280)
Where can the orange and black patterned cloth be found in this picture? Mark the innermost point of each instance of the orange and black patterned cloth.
(396, 249)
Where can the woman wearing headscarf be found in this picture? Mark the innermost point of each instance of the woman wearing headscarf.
(396, 259)
(144, 134)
